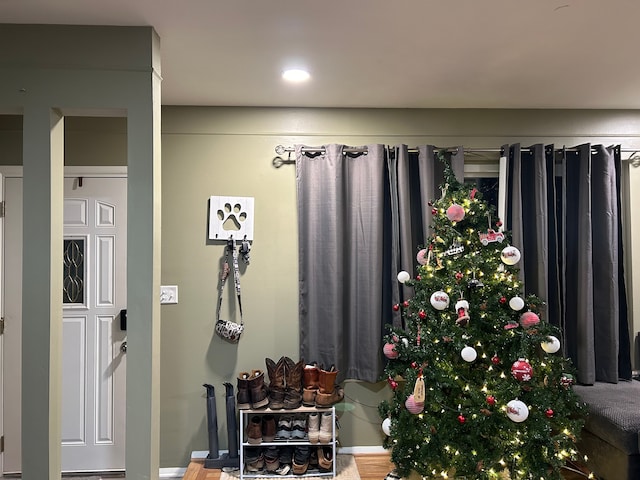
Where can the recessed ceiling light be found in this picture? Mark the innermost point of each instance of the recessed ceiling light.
(296, 75)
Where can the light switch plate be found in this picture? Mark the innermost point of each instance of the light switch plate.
(168, 294)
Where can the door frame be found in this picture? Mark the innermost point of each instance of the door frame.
(16, 171)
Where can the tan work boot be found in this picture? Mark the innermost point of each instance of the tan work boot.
(244, 395)
(311, 374)
(328, 392)
(258, 390)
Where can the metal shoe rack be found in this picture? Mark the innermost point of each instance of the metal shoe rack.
(245, 416)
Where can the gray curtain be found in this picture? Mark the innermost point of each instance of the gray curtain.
(361, 219)
(563, 208)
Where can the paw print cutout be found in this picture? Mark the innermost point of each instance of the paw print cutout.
(231, 217)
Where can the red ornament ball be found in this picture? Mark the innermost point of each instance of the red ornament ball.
(491, 400)
(459, 275)
(418, 278)
(405, 304)
(499, 223)
(396, 307)
(414, 365)
(522, 370)
(455, 212)
(529, 319)
(422, 314)
(434, 211)
(549, 413)
(389, 351)
(503, 300)
(461, 419)
(495, 360)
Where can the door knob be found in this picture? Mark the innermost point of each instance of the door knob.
(123, 347)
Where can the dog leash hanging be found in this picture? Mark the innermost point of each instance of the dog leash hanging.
(236, 277)
(227, 329)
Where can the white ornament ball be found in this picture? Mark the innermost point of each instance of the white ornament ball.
(439, 300)
(552, 345)
(517, 411)
(510, 255)
(469, 354)
(516, 303)
(403, 276)
(386, 426)
(405, 341)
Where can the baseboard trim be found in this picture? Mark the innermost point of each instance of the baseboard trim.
(172, 472)
(363, 450)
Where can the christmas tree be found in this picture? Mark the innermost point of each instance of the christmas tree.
(481, 389)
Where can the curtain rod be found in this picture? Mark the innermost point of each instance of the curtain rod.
(281, 150)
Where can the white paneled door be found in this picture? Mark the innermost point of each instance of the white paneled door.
(94, 346)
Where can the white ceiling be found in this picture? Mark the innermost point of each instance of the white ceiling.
(379, 53)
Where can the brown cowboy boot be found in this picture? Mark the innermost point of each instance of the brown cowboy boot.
(328, 392)
(276, 372)
(311, 377)
(293, 375)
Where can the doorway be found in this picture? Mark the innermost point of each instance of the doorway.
(94, 344)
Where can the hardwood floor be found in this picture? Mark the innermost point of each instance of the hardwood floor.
(370, 467)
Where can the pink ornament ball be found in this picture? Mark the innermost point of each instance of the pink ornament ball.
(422, 256)
(389, 351)
(455, 213)
(413, 406)
(529, 319)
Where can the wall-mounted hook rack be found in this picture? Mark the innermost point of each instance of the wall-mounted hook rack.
(231, 217)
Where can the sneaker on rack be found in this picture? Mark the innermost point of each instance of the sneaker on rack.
(271, 459)
(299, 426)
(325, 458)
(301, 459)
(283, 432)
(313, 460)
(254, 460)
(283, 469)
(286, 455)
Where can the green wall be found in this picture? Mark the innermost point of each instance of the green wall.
(229, 151)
